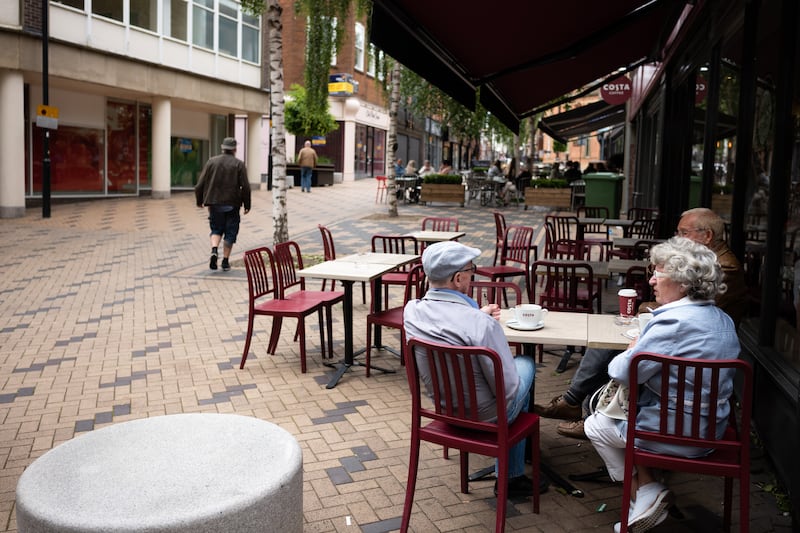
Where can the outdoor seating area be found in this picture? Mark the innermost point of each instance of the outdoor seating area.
(128, 356)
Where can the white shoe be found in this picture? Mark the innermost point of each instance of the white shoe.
(650, 509)
(637, 529)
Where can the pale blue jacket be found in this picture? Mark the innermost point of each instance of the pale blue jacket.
(686, 328)
(450, 317)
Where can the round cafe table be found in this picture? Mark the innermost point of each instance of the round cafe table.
(183, 473)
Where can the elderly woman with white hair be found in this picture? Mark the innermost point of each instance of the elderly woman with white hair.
(686, 278)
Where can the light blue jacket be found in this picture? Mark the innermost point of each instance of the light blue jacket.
(453, 318)
(686, 328)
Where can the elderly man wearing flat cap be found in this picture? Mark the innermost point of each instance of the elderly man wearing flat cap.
(223, 188)
(447, 314)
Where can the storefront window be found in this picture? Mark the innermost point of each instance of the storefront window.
(188, 158)
(76, 160)
(121, 135)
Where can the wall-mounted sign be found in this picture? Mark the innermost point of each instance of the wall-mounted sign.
(318, 141)
(617, 91)
(340, 85)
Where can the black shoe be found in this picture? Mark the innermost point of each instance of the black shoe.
(522, 486)
(225, 264)
(212, 264)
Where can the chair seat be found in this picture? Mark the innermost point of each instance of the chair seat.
(286, 307)
(477, 442)
(389, 318)
(322, 297)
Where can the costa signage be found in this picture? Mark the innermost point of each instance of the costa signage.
(701, 88)
(617, 91)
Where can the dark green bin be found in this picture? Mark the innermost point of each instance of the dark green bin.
(604, 189)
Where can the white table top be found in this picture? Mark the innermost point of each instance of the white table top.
(380, 258)
(602, 332)
(357, 267)
(436, 236)
(559, 328)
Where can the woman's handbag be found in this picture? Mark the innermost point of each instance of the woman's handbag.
(611, 400)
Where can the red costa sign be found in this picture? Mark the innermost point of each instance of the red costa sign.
(701, 88)
(617, 91)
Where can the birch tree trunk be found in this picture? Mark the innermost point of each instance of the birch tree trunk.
(280, 218)
(394, 104)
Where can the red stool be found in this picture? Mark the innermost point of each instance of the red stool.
(380, 192)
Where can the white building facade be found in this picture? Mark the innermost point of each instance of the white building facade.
(145, 92)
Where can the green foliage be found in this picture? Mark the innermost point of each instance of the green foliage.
(559, 147)
(550, 183)
(427, 100)
(303, 120)
(451, 179)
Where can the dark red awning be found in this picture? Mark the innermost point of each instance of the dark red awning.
(520, 54)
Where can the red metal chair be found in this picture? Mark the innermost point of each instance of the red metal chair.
(288, 260)
(440, 224)
(381, 189)
(265, 300)
(395, 244)
(329, 253)
(393, 317)
(731, 456)
(456, 425)
(515, 258)
(568, 287)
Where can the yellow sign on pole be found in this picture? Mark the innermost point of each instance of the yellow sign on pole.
(48, 111)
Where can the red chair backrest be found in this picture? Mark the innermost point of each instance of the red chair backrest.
(517, 246)
(440, 224)
(500, 225)
(288, 261)
(455, 372)
(567, 286)
(328, 250)
(693, 427)
(260, 266)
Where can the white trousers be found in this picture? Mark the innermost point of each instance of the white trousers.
(608, 440)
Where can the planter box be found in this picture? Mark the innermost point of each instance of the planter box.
(442, 192)
(721, 204)
(322, 175)
(548, 196)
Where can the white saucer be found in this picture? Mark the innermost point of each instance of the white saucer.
(513, 324)
(631, 333)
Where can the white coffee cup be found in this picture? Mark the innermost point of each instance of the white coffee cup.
(643, 319)
(529, 315)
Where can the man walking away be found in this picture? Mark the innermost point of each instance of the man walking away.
(307, 160)
(223, 188)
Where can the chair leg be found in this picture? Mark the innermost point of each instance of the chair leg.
(502, 490)
(534, 439)
(247, 341)
(464, 462)
(321, 322)
(330, 332)
(363, 292)
(301, 328)
(277, 322)
(411, 484)
(368, 351)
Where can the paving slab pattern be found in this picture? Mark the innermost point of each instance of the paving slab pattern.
(108, 313)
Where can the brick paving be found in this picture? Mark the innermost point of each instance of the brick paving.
(110, 313)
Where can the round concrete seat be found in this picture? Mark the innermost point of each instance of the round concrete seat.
(187, 473)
